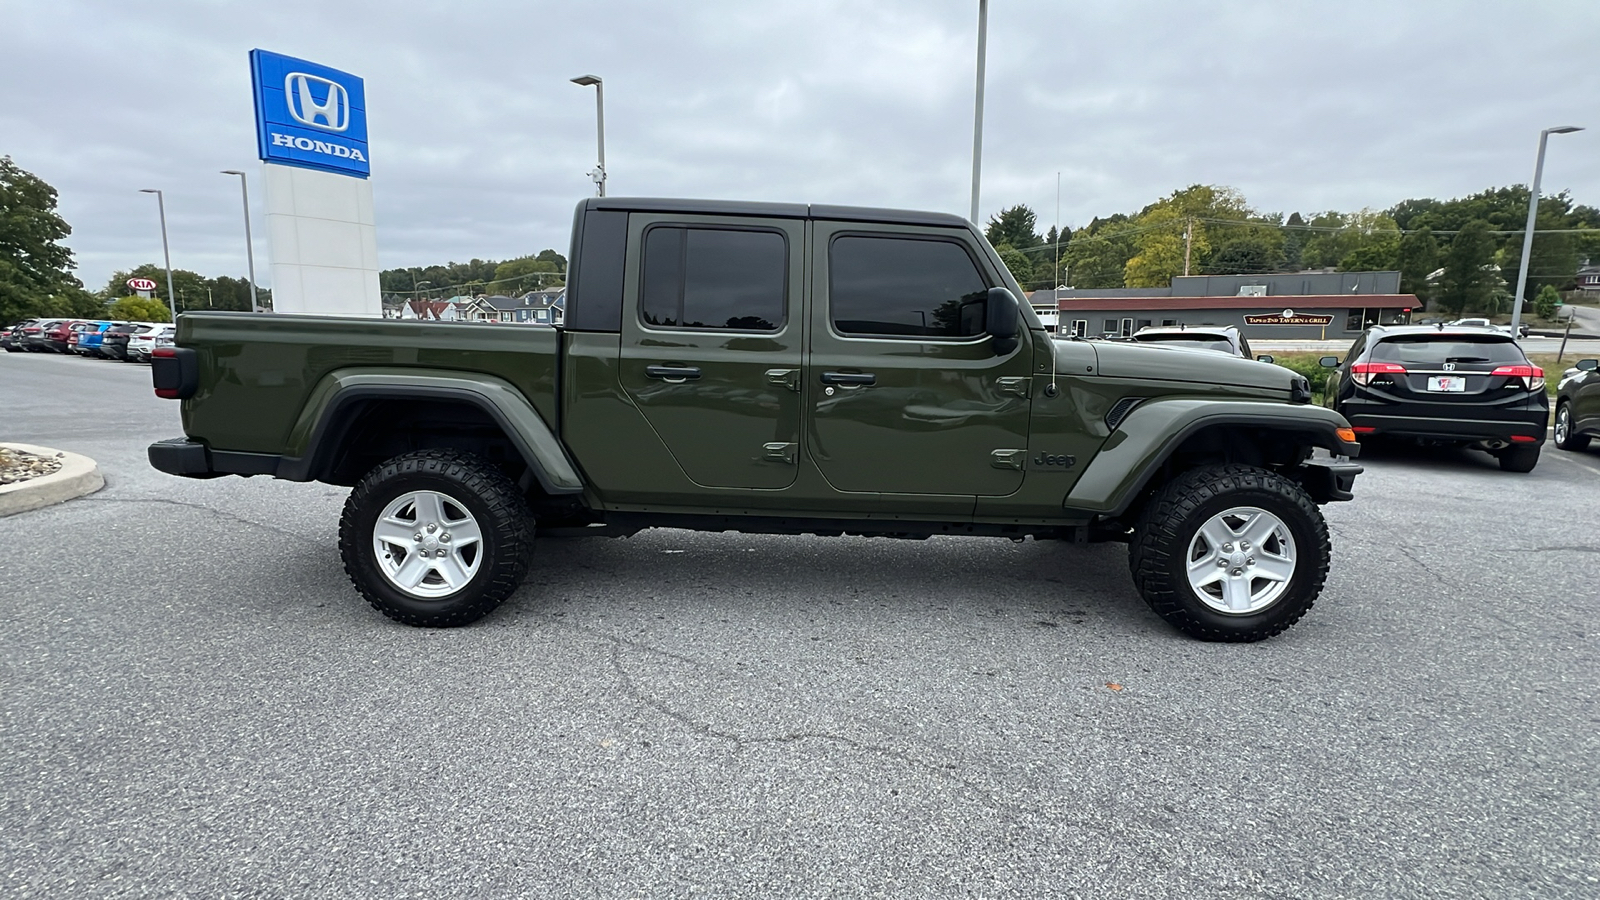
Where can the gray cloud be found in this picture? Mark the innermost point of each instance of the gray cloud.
(480, 144)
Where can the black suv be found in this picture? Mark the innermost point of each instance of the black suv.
(1221, 338)
(1458, 386)
(1578, 405)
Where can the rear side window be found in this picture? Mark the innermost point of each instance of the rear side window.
(904, 287)
(1431, 349)
(714, 278)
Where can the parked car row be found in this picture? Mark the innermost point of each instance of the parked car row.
(102, 339)
(1465, 384)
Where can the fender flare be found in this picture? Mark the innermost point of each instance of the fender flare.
(1156, 428)
(314, 439)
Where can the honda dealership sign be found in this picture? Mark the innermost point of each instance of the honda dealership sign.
(309, 115)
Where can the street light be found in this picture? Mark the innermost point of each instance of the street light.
(1527, 235)
(249, 249)
(161, 205)
(977, 105)
(599, 174)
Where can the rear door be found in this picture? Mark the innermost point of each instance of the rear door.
(904, 392)
(711, 347)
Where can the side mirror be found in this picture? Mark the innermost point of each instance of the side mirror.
(1329, 362)
(1265, 357)
(1000, 320)
(1588, 365)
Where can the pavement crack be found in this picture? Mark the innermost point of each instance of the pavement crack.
(202, 508)
(741, 742)
(1574, 548)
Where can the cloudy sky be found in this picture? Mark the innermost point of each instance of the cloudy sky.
(480, 143)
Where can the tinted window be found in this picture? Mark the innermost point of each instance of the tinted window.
(904, 287)
(713, 278)
(1428, 349)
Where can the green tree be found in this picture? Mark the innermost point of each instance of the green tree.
(191, 290)
(1019, 264)
(1547, 302)
(1419, 257)
(1014, 226)
(527, 273)
(35, 268)
(1177, 229)
(139, 309)
(1467, 281)
(1097, 255)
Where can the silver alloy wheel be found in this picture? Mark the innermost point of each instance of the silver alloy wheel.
(1241, 560)
(1563, 424)
(427, 544)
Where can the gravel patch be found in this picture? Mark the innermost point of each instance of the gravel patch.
(16, 465)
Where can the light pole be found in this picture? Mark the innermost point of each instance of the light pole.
(1527, 235)
(249, 248)
(977, 106)
(161, 205)
(599, 174)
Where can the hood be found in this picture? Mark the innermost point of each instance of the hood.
(1166, 362)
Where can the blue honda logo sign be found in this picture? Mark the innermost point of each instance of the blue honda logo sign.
(309, 115)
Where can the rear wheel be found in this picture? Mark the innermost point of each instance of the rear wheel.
(435, 538)
(1519, 459)
(1230, 553)
(1566, 438)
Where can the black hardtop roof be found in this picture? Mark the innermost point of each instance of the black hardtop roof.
(1466, 331)
(777, 210)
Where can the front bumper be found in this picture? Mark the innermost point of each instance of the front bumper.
(1328, 479)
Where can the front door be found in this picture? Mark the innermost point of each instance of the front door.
(904, 391)
(711, 349)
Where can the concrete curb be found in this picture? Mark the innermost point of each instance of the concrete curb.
(77, 476)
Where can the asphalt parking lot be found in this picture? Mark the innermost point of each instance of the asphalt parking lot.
(196, 703)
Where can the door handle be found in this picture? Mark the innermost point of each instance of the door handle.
(849, 378)
(673, 373)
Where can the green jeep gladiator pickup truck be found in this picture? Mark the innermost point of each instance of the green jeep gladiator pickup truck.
(772, 368)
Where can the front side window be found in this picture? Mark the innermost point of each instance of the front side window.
(905, 287)
(714, 278)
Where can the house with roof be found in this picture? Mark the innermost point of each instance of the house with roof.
(1290, 305)
(1588, 277)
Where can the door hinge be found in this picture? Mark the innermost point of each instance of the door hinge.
(1007, 459)
(1014, 385)
(780, 452)
(789, 378)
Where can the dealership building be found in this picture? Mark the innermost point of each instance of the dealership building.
(1288, 306)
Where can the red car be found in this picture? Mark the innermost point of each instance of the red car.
(63, 334)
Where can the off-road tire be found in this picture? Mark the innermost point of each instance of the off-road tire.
(1519, 459)
(1158, 554)
(1573, 441)
(470, 483)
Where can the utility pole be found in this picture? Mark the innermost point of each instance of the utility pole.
(977, 105)
(1188, 241)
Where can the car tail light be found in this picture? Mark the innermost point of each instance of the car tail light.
(1364, 429)
(1532, 377)
(1523, 438)
(1364, 373)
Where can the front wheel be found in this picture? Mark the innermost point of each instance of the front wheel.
(1230, 553)
(435, 538)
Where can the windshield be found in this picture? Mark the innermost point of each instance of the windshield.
(1198, 341)
(1428, 349)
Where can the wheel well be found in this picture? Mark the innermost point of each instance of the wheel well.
(369, 431)
(1266, 447)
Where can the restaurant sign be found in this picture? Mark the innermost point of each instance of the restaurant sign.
(1289, 317)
